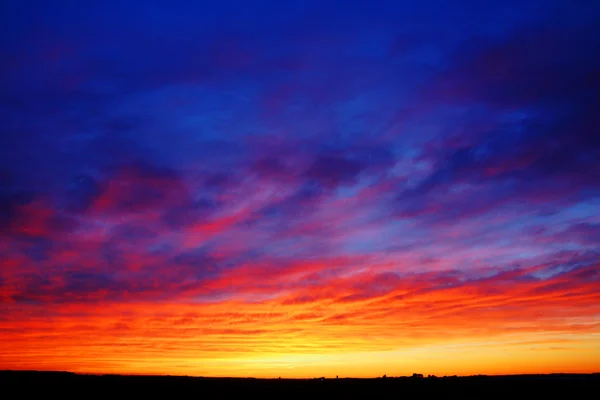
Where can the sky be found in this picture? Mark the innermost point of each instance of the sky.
(300, 188)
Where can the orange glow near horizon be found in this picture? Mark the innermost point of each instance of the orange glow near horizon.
(394, 335)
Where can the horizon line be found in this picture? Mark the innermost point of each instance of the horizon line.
(414, 375)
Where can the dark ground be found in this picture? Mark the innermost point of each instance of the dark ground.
(21, 383)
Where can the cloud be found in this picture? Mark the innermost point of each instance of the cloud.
(536, 92)
(333, 171)
(420, 305)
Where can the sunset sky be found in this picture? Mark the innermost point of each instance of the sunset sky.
(300, 188)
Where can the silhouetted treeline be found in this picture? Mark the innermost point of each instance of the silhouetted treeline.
(65, 383)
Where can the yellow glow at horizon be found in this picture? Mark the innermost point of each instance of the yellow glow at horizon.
(580, 355)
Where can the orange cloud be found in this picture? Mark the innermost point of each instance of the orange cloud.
(335, 318)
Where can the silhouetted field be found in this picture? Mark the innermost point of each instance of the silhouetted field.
(519, 386)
